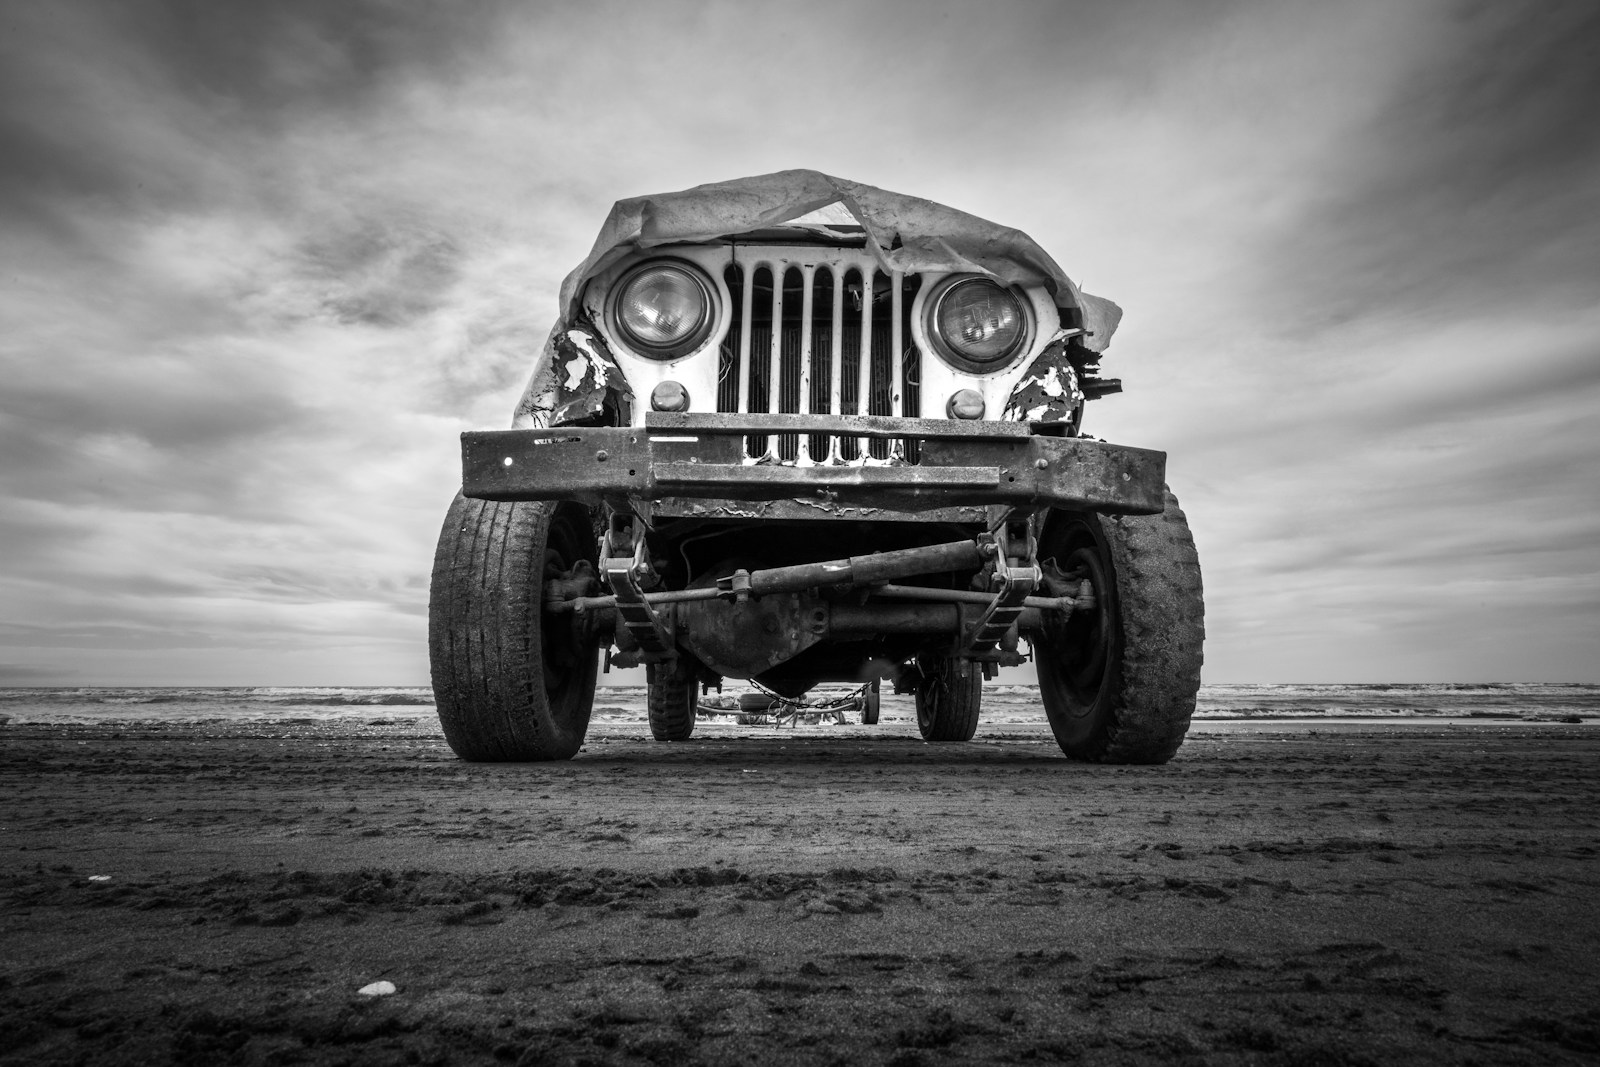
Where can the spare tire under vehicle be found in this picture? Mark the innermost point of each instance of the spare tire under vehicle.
(1119, 680)
(871, 703)
(949, 696)
(671, 697)
(511, 682)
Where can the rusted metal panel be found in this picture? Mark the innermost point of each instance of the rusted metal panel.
(551, 464)
(875, 426)
(618, 464)
(776, 481)
(793, 509)
(1065, 471)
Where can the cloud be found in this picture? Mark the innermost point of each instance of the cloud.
(1478, 182)
(21, 674)
(262, 262)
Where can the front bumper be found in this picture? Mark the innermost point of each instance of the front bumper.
(702, 456)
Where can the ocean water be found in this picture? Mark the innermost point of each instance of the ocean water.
(1002, 703)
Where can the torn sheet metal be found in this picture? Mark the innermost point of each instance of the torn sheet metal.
(903, 233)
(1049, 392)
(575, 380)
(575, 377)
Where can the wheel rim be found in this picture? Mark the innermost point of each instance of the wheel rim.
(561, 647)
(927, 688)
(1083, 652)
(555, 634)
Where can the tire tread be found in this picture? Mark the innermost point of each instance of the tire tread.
(484, 619)
(1164, 629)
(949, 700)
(671, 697)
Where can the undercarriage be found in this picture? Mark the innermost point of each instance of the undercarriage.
(759, 604)
(665, 547)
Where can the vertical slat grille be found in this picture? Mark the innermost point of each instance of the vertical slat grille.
(820, 340)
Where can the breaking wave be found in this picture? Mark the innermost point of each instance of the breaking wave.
(1002, 703)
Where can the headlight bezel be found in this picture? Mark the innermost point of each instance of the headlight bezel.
(953, 355)
(639, 346)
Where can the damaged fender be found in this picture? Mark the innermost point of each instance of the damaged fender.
(575, 380)
(1049, 392)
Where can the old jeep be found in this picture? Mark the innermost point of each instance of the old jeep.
(794, 429)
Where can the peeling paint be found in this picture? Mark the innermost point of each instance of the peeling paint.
(576, 369)
(1049, 392)
(574, 380)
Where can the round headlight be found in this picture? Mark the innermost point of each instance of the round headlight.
(980, 322)
(663, 310)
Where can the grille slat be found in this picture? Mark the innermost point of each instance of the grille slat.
(775, 351)
(879, 401)
(742, 356)
(851, 319)
(896, 340)
(865, 397)
(803, 334)
(836, 360)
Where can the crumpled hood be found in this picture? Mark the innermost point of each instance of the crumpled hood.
(904, 233)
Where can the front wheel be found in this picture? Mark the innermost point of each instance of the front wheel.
(1119, 679)
(510, 680)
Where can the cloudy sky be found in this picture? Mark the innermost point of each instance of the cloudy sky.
(261, 262)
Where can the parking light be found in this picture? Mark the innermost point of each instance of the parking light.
(965, 404)
(669, 396)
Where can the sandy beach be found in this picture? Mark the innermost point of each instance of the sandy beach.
(1333, 893)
